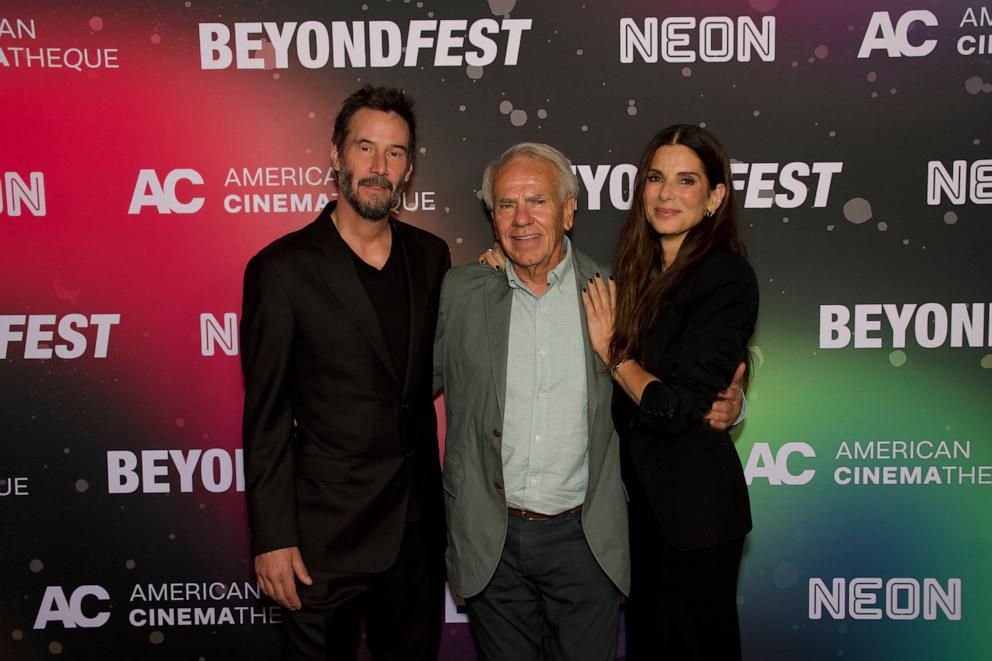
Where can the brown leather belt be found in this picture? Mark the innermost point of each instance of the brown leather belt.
(536, 516)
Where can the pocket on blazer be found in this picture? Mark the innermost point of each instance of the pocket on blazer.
(321, 468)
(452, 477)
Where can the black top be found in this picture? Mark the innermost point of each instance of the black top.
(388, 290)
(689, 472)
(334, 437)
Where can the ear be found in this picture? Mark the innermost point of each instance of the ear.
(409, 171)
(716, 197)
(569, 212)
(335, 158)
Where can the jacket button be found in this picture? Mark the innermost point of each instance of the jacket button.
(497, 433)
(498, 484)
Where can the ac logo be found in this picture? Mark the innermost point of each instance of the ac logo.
(56, 608)
(894, 40)
(149, 191)
(761, 463)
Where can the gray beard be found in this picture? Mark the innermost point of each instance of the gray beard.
(370, 210)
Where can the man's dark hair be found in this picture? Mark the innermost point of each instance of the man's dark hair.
(385, 99)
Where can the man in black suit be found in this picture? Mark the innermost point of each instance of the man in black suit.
(340, 435)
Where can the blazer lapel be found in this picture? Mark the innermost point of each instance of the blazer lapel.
(417, 284)
(593, 381)
(499, 298)
(334, 263)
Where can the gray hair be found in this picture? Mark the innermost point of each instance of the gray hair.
(568, 184)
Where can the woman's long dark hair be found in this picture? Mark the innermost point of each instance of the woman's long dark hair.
(643, 285)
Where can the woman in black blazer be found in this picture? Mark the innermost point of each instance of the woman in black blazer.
(672, 336)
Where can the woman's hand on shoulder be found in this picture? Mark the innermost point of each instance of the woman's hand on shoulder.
(600, 300)
(493, 258)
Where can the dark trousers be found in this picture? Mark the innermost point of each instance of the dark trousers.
(682, 604)
(401, 607)
(549, 598)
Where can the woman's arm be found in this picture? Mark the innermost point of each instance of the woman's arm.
(719, 319)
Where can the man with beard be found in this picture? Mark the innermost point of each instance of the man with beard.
(340, 436)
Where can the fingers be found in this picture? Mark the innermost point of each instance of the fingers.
(719, 425)
(289, 597)
(721, 415)
(498, 254)
(594, 293)
(300, 569)
(726, 394)
(738, 375)
(493, 259)
(277, 571)
(486, 258)
(587, 303)
(732, 395)
(602, 293)
(721, 409)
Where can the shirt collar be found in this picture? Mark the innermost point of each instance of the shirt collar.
(556, 278)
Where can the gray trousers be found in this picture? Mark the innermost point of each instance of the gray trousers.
(549, 598)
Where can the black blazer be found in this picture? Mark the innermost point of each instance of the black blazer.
(335, 440)
(689, 472)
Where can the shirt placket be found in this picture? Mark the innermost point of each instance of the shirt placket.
(538, 439)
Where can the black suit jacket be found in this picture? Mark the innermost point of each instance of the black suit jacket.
(689, 472)
(335, 440)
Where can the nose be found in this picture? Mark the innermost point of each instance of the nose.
(520, 216)
(666, 190)
(378, 165)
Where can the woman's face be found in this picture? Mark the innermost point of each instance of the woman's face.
(677, 194)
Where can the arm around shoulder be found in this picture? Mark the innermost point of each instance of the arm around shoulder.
(719, 318)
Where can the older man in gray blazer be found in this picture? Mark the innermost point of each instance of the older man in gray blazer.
(536, 510)
(537, 517)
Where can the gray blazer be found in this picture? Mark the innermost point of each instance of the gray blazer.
(470, 351)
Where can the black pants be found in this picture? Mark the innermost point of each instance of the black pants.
(549, 598)
(682, 604)
(401, 607)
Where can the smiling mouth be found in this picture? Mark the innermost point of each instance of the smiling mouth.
(665, 212)
(525, 237)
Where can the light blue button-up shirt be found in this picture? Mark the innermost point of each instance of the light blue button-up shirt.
(545, 442)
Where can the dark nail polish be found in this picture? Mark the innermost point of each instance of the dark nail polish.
(612, 278)
(598, 275)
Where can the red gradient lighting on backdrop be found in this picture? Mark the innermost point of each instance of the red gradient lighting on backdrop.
(92, 134)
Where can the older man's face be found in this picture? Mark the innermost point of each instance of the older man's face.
(529, 215)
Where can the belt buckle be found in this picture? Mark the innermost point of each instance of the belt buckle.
(528, 516)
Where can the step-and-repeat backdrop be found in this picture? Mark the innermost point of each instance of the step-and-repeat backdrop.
(149, 148)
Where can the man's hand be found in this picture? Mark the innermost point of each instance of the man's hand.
(727, 405)
(277, 571)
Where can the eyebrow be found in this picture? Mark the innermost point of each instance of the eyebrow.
(372, 142)
(684, 172)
